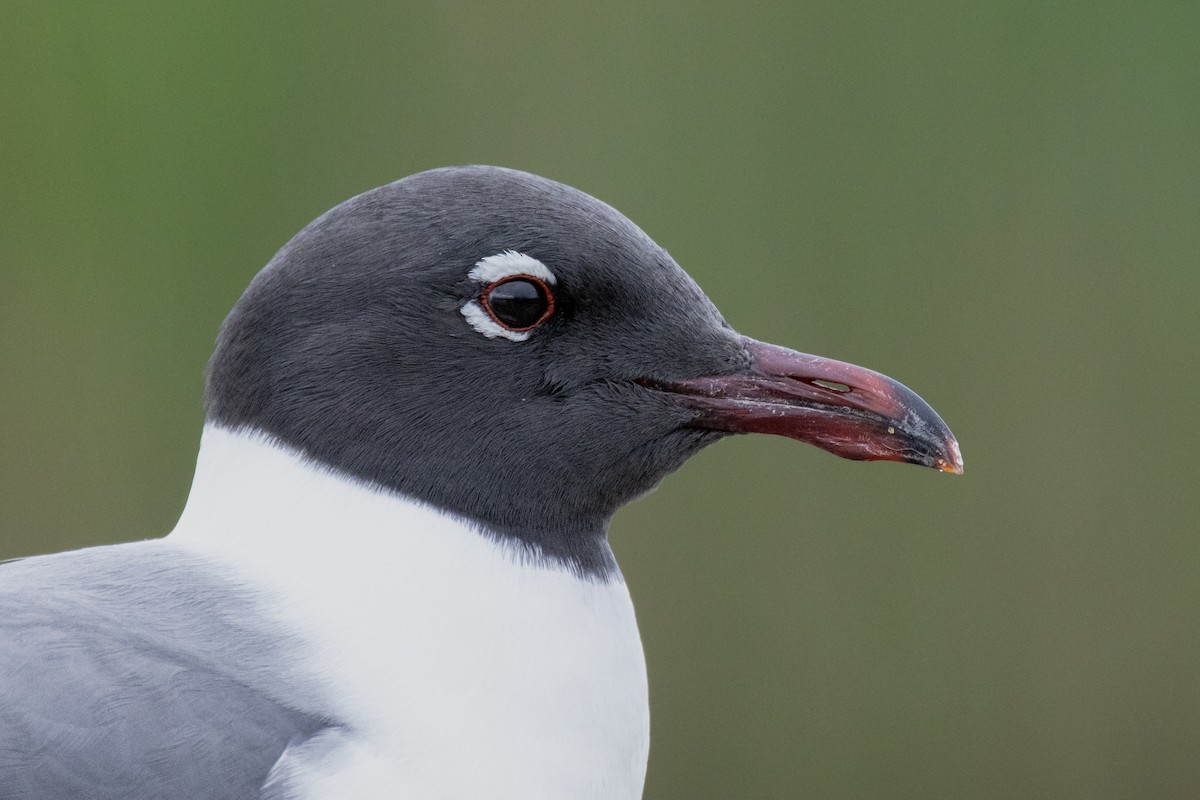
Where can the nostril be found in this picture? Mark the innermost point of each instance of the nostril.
(832, 386)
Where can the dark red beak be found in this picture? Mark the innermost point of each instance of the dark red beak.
(850, 411)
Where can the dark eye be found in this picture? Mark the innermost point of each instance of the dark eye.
(518, 303)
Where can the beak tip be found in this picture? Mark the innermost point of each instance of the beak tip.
(953, 464)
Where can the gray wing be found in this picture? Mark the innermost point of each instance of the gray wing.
(129, 672)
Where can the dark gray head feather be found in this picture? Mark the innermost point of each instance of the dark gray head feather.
(350, 347)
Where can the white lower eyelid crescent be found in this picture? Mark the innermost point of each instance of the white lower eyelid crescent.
(483, 323)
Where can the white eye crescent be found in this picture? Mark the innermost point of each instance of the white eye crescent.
(517, 295)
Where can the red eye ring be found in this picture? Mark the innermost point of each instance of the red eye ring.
(521, 311)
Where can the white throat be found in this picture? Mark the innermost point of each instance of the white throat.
(456, 665)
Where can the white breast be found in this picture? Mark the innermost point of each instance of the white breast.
(459, 666)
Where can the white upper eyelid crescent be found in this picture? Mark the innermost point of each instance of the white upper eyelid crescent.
(508, 264)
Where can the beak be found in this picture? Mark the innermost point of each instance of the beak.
(850, 411)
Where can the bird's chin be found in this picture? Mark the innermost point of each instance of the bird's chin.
(847, 410)
(643, 471)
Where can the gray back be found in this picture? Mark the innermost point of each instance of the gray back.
(134, 672)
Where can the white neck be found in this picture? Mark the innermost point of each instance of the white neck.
(250, 493)
(462, 666)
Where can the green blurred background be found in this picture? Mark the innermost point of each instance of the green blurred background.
(997, 204)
